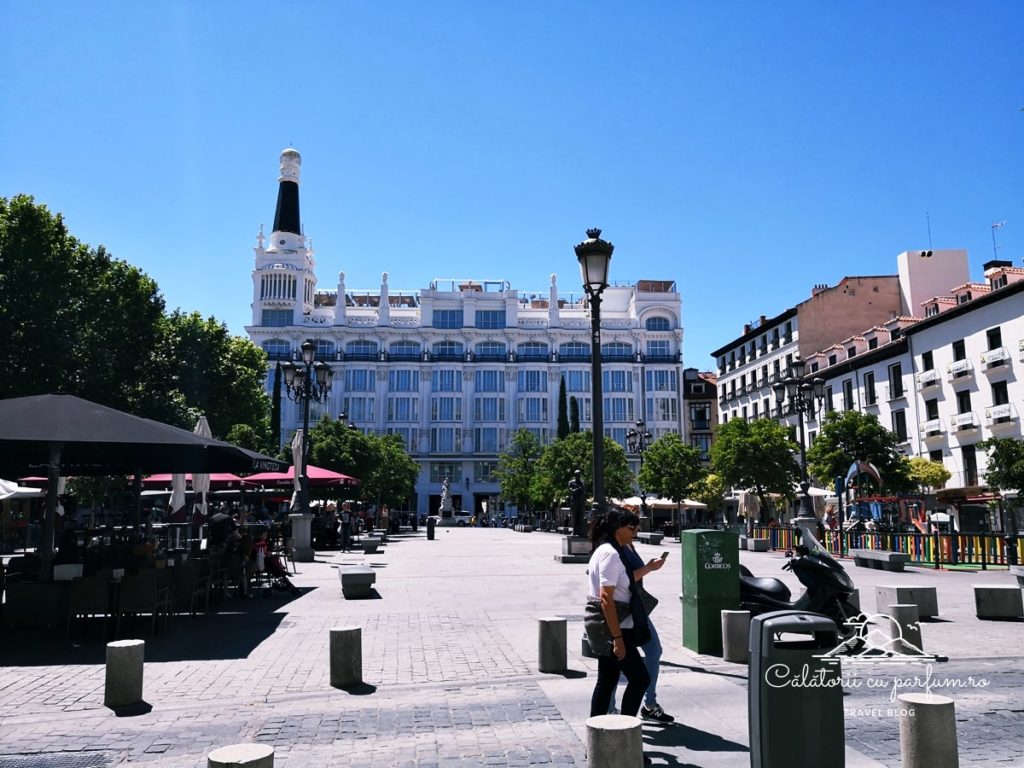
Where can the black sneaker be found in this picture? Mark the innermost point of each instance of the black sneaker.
(656, 713)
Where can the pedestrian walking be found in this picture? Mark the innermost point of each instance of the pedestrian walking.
(345, 526)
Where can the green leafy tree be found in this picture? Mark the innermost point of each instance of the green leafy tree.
(1005, 468)
(574, 415)
(755, 455)
(671, 468)
(563, 416)
(246, 436)
(925, 473)
(517, 468)
(849, 436)
(392, 480)
(563, 457)
(338, 447)
(710, 490)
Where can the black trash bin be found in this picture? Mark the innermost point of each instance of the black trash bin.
(431, 522)
(795, 698)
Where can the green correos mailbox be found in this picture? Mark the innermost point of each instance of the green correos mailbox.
(711, 584)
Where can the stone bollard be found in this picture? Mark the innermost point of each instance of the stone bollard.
(124, 673)
(905, 623)
(552, 644)
(346, 656)
(736, 636)
(242, 756)
(927, 731)
(614, 741)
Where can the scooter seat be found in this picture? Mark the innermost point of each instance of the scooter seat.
(768, 585)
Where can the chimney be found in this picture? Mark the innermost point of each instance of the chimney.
(762, 320)
(746, 328)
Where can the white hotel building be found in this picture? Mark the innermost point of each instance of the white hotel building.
(457, 367)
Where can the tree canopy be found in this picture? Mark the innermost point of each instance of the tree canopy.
(671, 468)
(851, 436)
(756, 455)
(925, 473)
(563, 457)
(1005, 470)
(517, 469)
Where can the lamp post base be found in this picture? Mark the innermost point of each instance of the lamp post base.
(806, 521)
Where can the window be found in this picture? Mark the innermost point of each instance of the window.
(787, 334)
(814, 367)
(661, 381)
(489, 381)
(359, 409)
(446, 408)
(970, 459)
(1000, 396)
(870, 398)
(584, 406)
(931, 409)
(703, 444)
(658, 324)
(753, 410)
(662, 409)
(700, 416)
(659, 350)
(488, 439)
(405, 350)
(444, 470)
(577, 381)
(618, 409)
(931, 310)
(491, 350)
(532, 350)
(895, 381)
(927, 361)
(324, 350)
(832, 359)
(403, 408)
(447, 350)
(999, 282)
(405, 434)
(848, 395)
(361, 350)
(489, 409)
(697, 389)
(851, 352)
(533, 409)
(359, 380)
(445, 439)
(619, 381)
(533, 381)
(447, 318)
(490, 319)
(899, 424)
(543, 434)
(959, 352)
(828, 400)
(446, 381)
(873, 342)
(963, 402)
(616, 350)
(484, 471)
(276, 318)
(574, 350)
(935, 455)
(277, 349)
(401, 380)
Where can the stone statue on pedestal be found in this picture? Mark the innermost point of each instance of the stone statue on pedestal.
(577, 502)
(446, 498)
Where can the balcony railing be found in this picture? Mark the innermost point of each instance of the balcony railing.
(963, 422)
(932, 428)
(994, 358)
(894, 392)
(927, 379)
(1000, 414)
(961, 369)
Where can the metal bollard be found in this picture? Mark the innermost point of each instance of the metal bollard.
(927, 731)
(242, 756)
(123, 685)
(346, 652)
(906, 624)
(552, 644)
(736, 636)
(614, 741)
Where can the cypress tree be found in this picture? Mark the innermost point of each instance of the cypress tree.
(563, 417)
(574, 415)
(275, 411)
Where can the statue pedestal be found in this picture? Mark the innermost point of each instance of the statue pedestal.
(575, 549)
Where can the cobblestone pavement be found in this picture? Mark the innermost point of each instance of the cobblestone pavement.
(449, 664)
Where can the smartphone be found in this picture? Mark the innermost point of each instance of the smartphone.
(664, 554)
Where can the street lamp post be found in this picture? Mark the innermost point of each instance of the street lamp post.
(637, 440)
(304, 382)
(804, 398)
(595, 255)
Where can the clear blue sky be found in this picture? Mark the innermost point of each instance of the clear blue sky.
(745, 150)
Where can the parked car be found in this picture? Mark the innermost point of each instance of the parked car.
(459, 519)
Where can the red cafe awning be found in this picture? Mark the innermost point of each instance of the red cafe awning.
(316, 475)
(223, 479)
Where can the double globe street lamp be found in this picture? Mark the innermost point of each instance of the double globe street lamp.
(304, 382)
(637, 441)
(804, 397)
(595, 255)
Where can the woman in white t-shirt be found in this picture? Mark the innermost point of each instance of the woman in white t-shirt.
(609, 582)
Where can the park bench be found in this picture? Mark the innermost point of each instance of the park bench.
(650, 537)
(1018, 571)
(998, 601)
(356, 581)
(880, 559)
(924, 598)
(369, 545)
(757, 545)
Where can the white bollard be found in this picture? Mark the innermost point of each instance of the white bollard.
(124, 673)
(614, 741)
(552, 644)
(242, 756)
(905, 623)
(927, 731)
(736, 636)
(346, 656)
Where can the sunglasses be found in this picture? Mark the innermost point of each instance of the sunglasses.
(632, 527)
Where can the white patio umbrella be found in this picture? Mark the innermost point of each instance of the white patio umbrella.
(201, 483)
(296, 462)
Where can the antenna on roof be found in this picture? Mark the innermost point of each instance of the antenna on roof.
(995, 249)
(928, 216)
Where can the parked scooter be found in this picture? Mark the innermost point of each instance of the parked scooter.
(827, 587)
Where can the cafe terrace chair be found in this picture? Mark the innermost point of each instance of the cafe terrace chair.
(89, 596)
(142, 594)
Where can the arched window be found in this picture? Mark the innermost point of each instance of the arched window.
(324, 349)
(361, 349)
(447, 350)
(491, 350)
(405, 350)
(658, 324)
(278, 349)
(573, 350)
(616, 350)
(532, 350)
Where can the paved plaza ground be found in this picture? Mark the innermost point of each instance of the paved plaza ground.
(450, 670)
